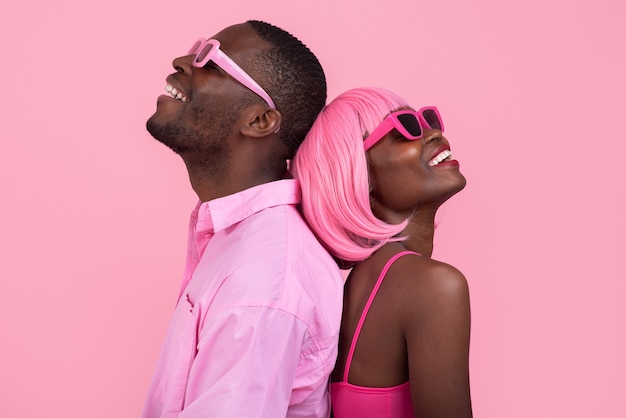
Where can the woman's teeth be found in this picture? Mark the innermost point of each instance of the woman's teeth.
(443, 156)
(175, 93)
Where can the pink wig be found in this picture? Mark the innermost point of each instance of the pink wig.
(332, 169)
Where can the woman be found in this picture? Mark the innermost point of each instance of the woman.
(373, 173)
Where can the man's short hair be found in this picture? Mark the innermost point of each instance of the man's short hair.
(294, 78)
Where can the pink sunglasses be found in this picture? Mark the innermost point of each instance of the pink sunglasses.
(206, 50)
(410, 123)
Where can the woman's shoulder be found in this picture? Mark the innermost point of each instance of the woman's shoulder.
(411, 279)
(426, 295)
(425, 280)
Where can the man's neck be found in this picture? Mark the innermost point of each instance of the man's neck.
(209, 186)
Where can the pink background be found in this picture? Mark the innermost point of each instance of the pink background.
(94, 211)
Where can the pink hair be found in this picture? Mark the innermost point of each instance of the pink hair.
(332, 169)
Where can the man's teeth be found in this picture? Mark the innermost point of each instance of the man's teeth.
(444, 155)
(175, 93)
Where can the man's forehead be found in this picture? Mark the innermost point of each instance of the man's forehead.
(239, 38)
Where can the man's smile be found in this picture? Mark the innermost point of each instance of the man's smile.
(175, 93)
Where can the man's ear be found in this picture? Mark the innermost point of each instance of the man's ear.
(261, 121)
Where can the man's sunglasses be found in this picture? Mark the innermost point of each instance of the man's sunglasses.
(410, 123)
(205, 50)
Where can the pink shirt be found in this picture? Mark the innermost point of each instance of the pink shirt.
(255, 330)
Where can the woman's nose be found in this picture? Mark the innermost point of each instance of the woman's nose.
(432, 135)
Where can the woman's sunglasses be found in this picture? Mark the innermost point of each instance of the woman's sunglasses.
(205, 50)
(410, 123)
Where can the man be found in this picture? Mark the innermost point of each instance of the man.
(255, 330)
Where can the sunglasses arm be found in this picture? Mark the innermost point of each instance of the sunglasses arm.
(381, 130)
(241, 76)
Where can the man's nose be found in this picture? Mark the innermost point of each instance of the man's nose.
(183, 64)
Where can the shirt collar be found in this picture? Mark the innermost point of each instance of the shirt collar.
(218, 214)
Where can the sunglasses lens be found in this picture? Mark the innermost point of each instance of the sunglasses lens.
(200, 56)
(410, 123)
(194, 48)
(432, 119)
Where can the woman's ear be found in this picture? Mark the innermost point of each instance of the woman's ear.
(261, 121)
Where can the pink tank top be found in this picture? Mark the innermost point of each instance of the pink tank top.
(364, 402)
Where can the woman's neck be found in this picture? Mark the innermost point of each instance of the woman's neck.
(420, 232)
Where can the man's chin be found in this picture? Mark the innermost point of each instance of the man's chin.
(158, 131)
(167, 111)
(152, 126)
(168, 134)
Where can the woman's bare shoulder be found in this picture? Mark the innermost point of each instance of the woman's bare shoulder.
(426, 274)
(425, 286)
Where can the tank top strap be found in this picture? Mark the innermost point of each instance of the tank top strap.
(357, 332)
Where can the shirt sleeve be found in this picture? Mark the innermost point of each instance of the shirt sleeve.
(246, 363)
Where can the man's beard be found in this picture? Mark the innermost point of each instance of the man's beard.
(201, 141)
(171, 135)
